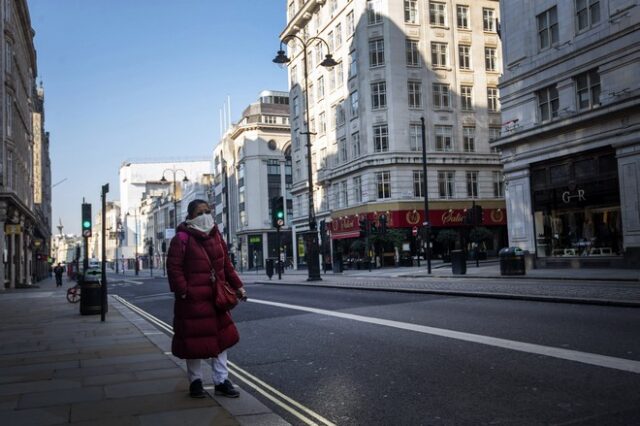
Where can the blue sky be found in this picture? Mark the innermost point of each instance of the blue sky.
(138, 79)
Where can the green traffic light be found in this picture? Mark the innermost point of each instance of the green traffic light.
(280, 215)
(86, 224)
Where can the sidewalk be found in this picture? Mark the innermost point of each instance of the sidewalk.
(58, 367)
(617, 287)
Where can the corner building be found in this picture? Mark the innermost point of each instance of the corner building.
(571, 142)
(399, 61)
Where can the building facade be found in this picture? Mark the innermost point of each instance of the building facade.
(570, 98)
(251, 166)
(25, 227)
(398, 62)
(139, 179)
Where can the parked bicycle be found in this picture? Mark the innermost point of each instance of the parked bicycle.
(73, 294)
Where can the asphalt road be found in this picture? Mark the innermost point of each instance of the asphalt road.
(415, 370)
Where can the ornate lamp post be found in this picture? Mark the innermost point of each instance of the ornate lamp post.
(175, 191)
(311, 235)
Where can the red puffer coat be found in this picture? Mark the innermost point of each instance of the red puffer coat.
(199, 330)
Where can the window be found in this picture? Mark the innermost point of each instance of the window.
(338, 36)
(344, 198)
(498, 184)
(374, 9)
(415, 137)
(350, 24)
(322, 123)
(469, 139)
(8, 57)
(311, 94)
(312, 125)
(340, 115)
(333, 5)
(472, 184)
(548, 103)
(342, 150)
(10, 169)
(488, 20)
(332, 80)
(376, 52)
(490, 60)
(294, 75)
(298, 169)
(320, 86)
(331, 47)
(379, 95)
(464, 56)
(353, 64)
(355, 145)
(463, 17)
(446, 184)
(354, 103)
(417, 183)
(357, 189)
(9, 99)
(444, 141)
(439, 55)
(588, 89)
(411, 11)
(441, 96)
(547, 28)
(466, 98)
(413, 53)
(587, 13)
(415, 94)
(492, 99)
(437, 13)
(384, 184)
(381, 138)
(296, 106)
(494, 133)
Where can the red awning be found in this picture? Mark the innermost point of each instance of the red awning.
(343, 235)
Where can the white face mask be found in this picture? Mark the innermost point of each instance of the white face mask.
(203, 223)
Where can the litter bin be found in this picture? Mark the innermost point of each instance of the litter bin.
(512, 261)
(269, 266)
(337, 263)
(90, 292)
(458, 262)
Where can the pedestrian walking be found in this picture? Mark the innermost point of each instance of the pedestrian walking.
(196, 260)
(58, 271)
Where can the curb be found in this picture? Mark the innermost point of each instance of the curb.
(509, 296)
(525, 277)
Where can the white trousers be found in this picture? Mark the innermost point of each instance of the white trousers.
(218, 365)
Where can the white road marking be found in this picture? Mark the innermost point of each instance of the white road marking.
(261, 387)
(567, 354)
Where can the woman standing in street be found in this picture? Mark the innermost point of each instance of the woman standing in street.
(198, 257)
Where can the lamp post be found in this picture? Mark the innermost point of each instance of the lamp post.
(426, 222)
(311, 235)
(135, 218)
(175, 191)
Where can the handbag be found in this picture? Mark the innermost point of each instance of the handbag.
(225, 297)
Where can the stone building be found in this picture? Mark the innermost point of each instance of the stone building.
(251, 166)
(570, 97)
(25, 186)
(398, 62)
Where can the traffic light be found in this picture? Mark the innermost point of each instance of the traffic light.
(277, 212)
(363, 228)
(383, 224)
(478, 218)
(86, 220)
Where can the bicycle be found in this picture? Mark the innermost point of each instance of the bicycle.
(73, 294)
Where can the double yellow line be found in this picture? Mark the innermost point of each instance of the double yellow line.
(296, 409)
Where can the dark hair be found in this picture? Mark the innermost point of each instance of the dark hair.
(193, 205)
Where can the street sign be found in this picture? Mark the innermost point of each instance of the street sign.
(86, 233)
(414, 231)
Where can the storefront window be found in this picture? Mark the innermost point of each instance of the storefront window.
(577, 206)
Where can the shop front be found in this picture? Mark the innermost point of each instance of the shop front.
(576, 206)
(345, 230)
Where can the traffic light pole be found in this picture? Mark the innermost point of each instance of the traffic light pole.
(278, 250)
(475, 226)
(103, 278)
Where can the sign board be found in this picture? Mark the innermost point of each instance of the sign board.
(169, 233)
(11, 228)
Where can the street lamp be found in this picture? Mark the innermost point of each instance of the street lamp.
(426, 222)
(311, 235)
(135, 217)
(175, 191)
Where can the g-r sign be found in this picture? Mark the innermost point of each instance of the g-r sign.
(567, 197)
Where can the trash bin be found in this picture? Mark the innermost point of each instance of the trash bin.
(512, 261)
(458, 262)
(90, 292)
(337, 263)
(269, 266)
